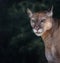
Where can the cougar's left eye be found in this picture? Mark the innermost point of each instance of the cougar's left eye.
(42, 21)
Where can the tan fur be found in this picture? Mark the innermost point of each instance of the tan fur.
(50, 36)
(53, 39)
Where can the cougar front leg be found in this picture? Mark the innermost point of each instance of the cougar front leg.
(50, 62)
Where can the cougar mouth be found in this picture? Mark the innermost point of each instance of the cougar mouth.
(38, 32)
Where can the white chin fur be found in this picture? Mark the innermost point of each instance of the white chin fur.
(38, 34)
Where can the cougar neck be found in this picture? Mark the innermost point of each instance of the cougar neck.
(49, 33)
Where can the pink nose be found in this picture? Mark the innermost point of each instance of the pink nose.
(37, 28)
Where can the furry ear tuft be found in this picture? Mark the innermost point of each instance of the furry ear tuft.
(29, 12)
(50, 13)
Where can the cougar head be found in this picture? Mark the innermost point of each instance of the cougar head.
(40, 21)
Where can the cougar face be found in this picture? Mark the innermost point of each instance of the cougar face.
(40, 22)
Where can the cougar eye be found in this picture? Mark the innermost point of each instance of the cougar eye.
(42, 20)
(33, 20)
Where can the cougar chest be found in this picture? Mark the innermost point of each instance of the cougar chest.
(50, 53)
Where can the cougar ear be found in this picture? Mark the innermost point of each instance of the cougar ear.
(50, 13)
(29, 12)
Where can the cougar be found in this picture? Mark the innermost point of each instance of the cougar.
(43, 24)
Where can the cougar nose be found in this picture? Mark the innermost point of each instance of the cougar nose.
(37, 27)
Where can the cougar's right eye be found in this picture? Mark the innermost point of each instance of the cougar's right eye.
(33, 20)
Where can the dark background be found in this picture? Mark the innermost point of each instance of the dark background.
(18, 44)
